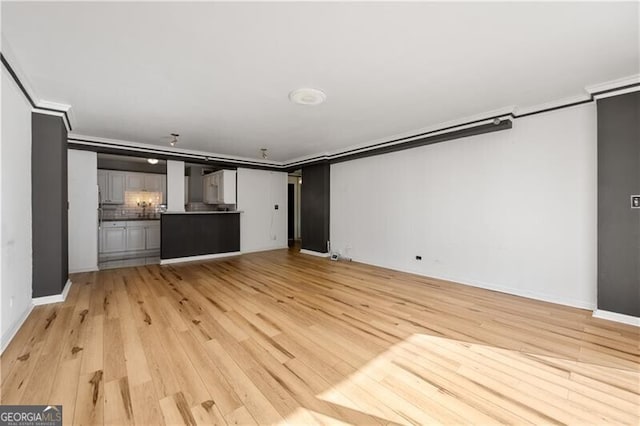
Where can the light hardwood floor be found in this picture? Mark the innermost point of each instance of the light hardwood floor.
(281, 337)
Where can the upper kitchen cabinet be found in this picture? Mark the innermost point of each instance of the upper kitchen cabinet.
(220, 187)
(153, 182)
(144, 182)
(135, 181)
(112, 186)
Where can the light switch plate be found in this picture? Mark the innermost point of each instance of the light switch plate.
(635, 201)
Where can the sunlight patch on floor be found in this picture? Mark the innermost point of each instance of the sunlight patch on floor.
(429, 379)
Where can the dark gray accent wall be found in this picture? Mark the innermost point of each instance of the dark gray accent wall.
(618, 223)
(132, 166)
(49, 204)
(314, 207)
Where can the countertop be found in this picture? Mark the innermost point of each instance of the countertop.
(130, 218)
(206, 212)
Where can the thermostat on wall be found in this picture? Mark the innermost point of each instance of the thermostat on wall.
(635, 201)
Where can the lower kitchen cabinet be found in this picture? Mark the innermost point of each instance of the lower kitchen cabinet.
(136, 239)
(113, 239)
(128, 237)
(153, 237)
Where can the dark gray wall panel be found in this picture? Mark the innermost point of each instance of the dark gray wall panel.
(618, 224)
(314, 207)
(184, 235)
(49, 204)
(132, 166)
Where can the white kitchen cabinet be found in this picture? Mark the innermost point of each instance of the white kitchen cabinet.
(227, 187)
(112, 186)
(153, 237)
(136, 238)
(220, 187)
(129, 236)
(152, 182)
(113, 239)
(135, 181)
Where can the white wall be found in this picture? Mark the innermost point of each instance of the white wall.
(15, 232)
(261, 226)
(83, 213)
(513, 211)
(175, 186)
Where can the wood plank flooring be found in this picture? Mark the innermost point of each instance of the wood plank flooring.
(279, 337)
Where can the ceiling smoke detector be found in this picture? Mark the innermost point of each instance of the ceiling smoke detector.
(174, 141)
(307, 96)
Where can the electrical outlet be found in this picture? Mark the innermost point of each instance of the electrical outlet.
(418, 257)
(276, 207)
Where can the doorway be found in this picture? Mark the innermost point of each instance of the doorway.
(293, 210)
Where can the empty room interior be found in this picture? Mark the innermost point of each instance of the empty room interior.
(368, 213)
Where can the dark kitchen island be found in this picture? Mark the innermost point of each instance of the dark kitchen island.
(189, 236)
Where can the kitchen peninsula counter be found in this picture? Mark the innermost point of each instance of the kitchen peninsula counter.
(199, 235)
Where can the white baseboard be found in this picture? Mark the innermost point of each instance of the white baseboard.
(56, 298)
(264, 249)
(613, 316)
(529, 294)
(13, 330)
(196, 258)
(314, 253)
(87, 269)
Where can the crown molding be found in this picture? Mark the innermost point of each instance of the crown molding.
(37, 104)
(613, 85)
(144, 148)
(372, 147)
(552, 105)
(13, 66)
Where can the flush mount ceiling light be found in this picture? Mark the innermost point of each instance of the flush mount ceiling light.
(307, 96)
(174, 141)
(152, 160)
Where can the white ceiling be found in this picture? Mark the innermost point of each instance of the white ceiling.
(220, 73)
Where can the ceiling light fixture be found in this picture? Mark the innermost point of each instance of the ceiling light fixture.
(152, 160)
(264, 153)
(307, 96)
(174, 141)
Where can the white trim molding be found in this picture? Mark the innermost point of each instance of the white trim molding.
(314, 253)
(11, 332)
(264, 249)
(56, 298)
(87, 269)
(87, 140)
(614, 316)
(197, 258)
(613, 84)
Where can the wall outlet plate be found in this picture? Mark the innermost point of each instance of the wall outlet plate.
(334, 256)
(635, 201)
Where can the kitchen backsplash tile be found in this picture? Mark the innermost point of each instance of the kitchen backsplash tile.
(133, 202)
